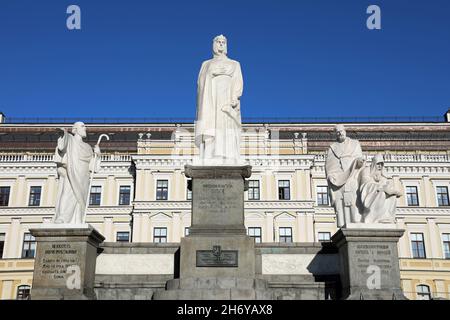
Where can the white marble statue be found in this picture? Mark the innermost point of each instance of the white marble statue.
(218, 124)
(75, 161)
(343, 165)
(378, 196)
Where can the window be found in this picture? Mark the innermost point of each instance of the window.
(442, 196)
(124, 195)
(445, 243)
(188, 194)
(411, 196)
(285, 234)
(423, 292)
(284, 190)
(160, 235)
(95, 196)
(322, 196)
(123, 236)
(255, 233)
(4, 196)
(162, 187)
(29, 246)
(324, 236)
(2, 244)
(186, 231)
(35, 196)
(253, 190)
(23, 293)
(418, 246)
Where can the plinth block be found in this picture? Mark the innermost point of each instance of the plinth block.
(369, 265)
(65, 261)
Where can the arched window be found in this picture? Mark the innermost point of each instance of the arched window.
(23, 292)
(423, 292)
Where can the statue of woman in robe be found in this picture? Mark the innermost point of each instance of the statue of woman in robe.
(218, 125)
(74, 160)
(378, 195)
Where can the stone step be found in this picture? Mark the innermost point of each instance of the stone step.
(216, 283)
(213, 294)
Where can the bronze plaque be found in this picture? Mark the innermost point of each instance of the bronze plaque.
(217, 258)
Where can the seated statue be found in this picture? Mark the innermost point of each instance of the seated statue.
(378, 195)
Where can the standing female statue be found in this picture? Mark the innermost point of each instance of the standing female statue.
(218, 125)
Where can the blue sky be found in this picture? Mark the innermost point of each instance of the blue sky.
(302, 58)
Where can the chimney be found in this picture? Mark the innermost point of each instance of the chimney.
(3, 117)
(447, 116)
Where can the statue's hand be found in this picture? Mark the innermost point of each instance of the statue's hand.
(359, 163)
(61, 131)
(97, 150)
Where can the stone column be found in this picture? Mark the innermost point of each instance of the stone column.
(108, 229)
(434, 238)
(7, 287)
(13, 240)
(269, 236)
(176, 227)
(369, 265)
(309, 232)
(440, 289)
(137, 224)
(20, 196)
(300, 222)
(64, 266)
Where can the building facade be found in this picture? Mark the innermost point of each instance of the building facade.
(141, 195)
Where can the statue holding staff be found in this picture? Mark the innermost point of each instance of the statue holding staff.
(75, 161)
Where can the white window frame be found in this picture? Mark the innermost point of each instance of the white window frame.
(29, 194)
(124, 184)
(319, 232)
(424, 243)
(419, 199)
(260, 189)
(8, 183)
(160, 176)
(437, 185)
(102, 189)
(442, 243)
(281, 178)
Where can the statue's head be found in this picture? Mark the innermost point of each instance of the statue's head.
(341, 134)
(378, 162)
(79, 128)
(220, 45)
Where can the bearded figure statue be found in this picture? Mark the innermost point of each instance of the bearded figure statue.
(377, 193)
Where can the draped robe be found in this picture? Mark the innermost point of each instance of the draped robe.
(341, 166)
(74, 160)
(219, 84)
(378, 205)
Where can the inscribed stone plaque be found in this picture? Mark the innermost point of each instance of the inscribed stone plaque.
(57, 262)
(218, 202)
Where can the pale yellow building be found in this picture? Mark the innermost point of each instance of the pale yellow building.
(140, 193)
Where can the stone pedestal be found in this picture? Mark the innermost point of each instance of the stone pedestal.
(217, 199)
(64, 266)
(217, 259)
(369, 265)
